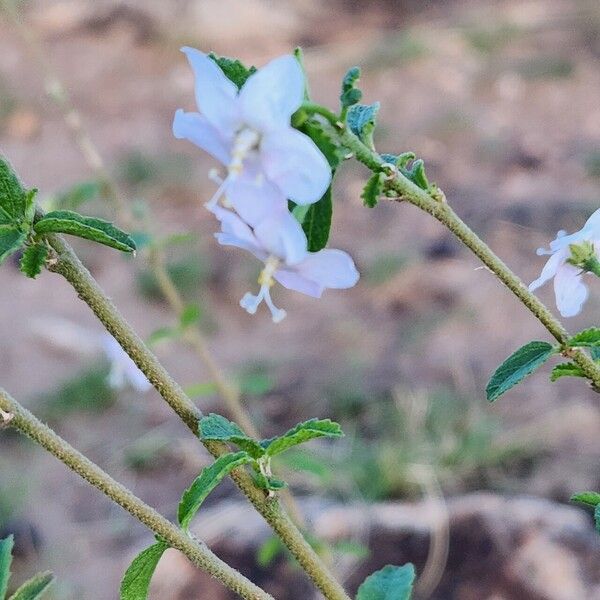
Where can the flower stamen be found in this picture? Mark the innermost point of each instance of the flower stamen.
(250, 302)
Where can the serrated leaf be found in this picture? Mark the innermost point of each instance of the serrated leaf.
(33, 260)
(136, 581)
(205, 483)
(517, 366)
(588, 498)
(233, 69)
(586, 338)
(362, 119)
(6, 546)
(566, 370)
(189, 316)
(269, 483)
(350, 94)
(216, 427)
(303, 432)
(373, 189)
(389, 583)
(34, 588)
(11, 240)
(89, 228)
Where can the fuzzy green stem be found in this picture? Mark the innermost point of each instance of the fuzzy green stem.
(67, 264)
(196, 551)
(440, 210)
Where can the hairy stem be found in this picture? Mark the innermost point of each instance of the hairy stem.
(439, 209)
(70, 267)
(196, 551)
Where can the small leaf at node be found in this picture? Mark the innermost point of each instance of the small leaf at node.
(11, 240)
(373, 189)
(216, 427)
(362, 119)
(517, 366)
(350, 93)
(566, 370)
(586, 338)
(33, 260)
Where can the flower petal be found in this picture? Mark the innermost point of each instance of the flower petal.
(593, 223)
(254, 198)
(234, 232)
(570, 291)
(272, 94)
(216, 96)
(549, 270)
(329, 269)
(196, 128)
(293, 162)
(294, 281)
(282, 236)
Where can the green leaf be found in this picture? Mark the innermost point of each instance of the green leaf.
(6, 546)
(136, 581)
(34, 588)
(33, 260)
(566, 370)
(17, 205)
(350, 94)
(597, 517)
(415, 172)
(588, 498)
(586, 338)
(316, 221)
(89, 228)
(233, 69)
(390, 583)
(595, 352)
(216, 427)
(517, 366)
(303, 432)
(205, 483)
(11, 240)
(362, 119)
(316, 218)
(269, 483)
(373, 189)
(189, 316)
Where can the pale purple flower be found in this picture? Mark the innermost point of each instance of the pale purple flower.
(249, 132)
(123, 371)
(279, 242)
(569, 287)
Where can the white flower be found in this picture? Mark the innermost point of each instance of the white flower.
(249, 131)
(123, 371)
(569, 288)
(278, 241)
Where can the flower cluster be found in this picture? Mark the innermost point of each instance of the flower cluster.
(569, 287)
(267, 163)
